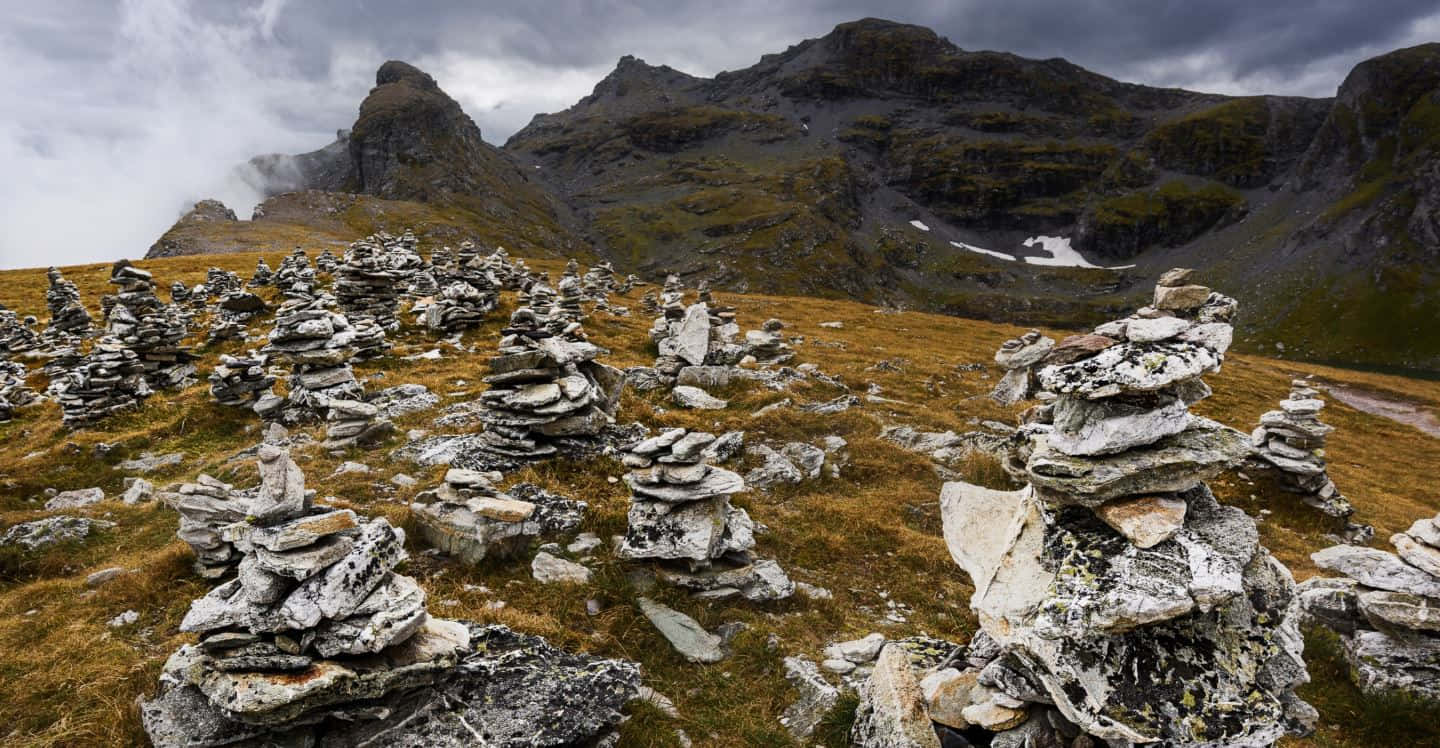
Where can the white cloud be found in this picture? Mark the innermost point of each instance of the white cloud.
(105, 154)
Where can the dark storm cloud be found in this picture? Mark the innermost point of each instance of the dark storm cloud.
(124, 111)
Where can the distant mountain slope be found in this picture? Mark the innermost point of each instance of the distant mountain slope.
(882, 163)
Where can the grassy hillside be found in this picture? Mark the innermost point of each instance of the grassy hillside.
(871, 536)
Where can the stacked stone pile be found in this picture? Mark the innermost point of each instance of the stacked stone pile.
(599, 282)
(1019, 357)
(67, 314)
(14, 392)
(444, 265)
(319, 344)
(681, 516)
(722, 317)
(768, 345)
(206, 507)
(1114, 585)
(631, 281)
(469, 518)
(295, 278)
(650, 303)
(263, 275)
(181, 294)
(241, 381)
(459, 306)
(354, 423)
(233, 312)
(540, 298)
(1386, 610)
(547, 395)
(294, 639)
(107, 380)
(149, 327)
(567, 306)
(367, 286)
(17, 336)
(1291, 442)
(218, 281)
(326, 261)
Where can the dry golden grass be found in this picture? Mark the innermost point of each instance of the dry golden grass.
(870, 537)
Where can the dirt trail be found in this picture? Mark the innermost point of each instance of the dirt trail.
(1387, 406)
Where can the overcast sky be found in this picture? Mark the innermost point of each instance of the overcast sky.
(120, 113)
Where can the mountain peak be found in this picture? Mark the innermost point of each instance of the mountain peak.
(396, 71)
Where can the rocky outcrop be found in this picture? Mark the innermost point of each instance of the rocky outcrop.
(469, 518)
(1019, 357)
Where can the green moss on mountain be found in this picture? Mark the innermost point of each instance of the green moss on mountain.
(1171, 214)
(1225, 141)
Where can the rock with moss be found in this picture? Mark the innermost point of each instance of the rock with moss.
(319, 344)
(1385, 609)
(1019, 357)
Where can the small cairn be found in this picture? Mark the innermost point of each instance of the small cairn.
(1114, 586)
(327, 262)
(232, 314)
(598, 282)
(1386, 610)
(539, 297)
(547, 395)
(107, 380)
(14, 392)
(650, 303)
(444, 265)
(295, 278)
(459, 306)
(67, 315)
(1291, 443)
(768, 345)
(567, 306)
(319, 344)
(681, 516)
(263, 276)
(632, 281)
(181, 294)
(206, 507)
(366, 285)
(1019, 358)
(467, 517)
(149, 327)
(351, 423)
(242, 382)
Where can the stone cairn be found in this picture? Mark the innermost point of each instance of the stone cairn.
(317, 597)
(263, 276)
(14, 392)
(547, 395)
(768, 345)
(1019, 358)
(295, 277)
(351, 423)
(692, 336)
(233, 312)
(567, 306)
(241, 381)
(459, 306)
(327, 262)
(599, 282)
(1114, 586)
(631, 281)
(368, 291)
(1291, 442)
(444, 265)
(1386, 610)
(149, 327)
(17, 336)
(681, 516)
(107, 380)
(218, 281)
(206, 507)
(467, 517)
(67, 315)
(650, 303)
(319, 344)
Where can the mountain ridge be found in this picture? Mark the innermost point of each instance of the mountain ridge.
(813, 170)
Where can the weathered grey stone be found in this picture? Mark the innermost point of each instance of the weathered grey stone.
(688, 638)
(816, 698)
(1093, 427)
(695, 398)
(892, 707)
(1378, 569)
(550, 569)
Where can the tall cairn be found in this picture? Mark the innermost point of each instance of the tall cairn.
(326, 261)
(1114, 586)
(1386, 610)
(319, 344)
(67, 315)
(547, 395)
(295, 277)
(150, 327)
(109, 379)
(681, 517)
(14, 392)
(1290, 442)
(366, 286)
